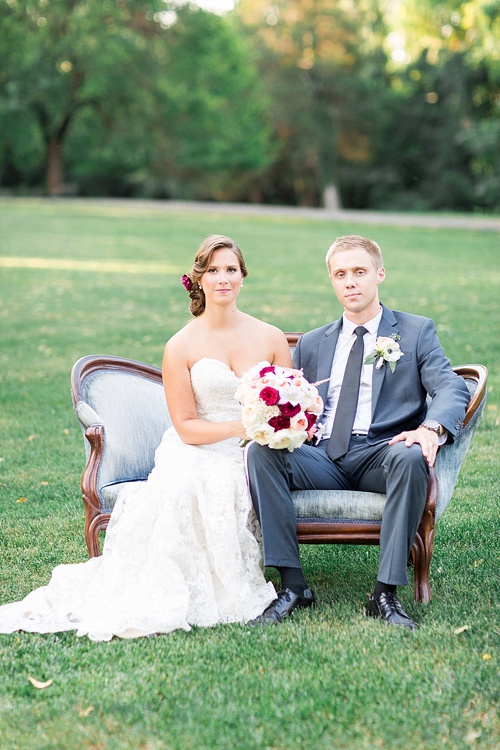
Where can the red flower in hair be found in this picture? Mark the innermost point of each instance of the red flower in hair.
(186, 282)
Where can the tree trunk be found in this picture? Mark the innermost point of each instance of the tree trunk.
(54, 166)
(331, 198)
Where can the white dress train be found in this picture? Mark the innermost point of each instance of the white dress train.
(180, 550)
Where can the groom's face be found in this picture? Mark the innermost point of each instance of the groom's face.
(355, 280)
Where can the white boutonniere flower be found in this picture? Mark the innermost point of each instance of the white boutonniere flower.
(386, 350)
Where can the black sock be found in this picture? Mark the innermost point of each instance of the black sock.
(293, 579)
(383, 588)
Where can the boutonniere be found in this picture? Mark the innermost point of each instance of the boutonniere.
(386, 350)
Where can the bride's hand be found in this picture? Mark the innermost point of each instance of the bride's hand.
(240, 431)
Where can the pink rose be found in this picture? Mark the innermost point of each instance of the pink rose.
(299, 422)
(269, 368)
(317, 406)
(270, 396)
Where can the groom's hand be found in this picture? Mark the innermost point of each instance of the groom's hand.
(428, 441)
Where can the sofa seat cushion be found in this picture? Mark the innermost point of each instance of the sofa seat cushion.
(310, 505)
(109, 493)
(345, 505)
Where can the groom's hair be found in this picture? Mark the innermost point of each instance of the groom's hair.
(355, 242)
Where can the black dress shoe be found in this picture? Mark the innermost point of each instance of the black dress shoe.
(388, 608)
(283, 606)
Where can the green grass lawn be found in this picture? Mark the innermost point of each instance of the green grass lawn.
(79, 278)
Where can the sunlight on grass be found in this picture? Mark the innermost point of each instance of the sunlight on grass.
(89, 265)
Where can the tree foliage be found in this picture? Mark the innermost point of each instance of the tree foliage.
(369, 103)
(325, 67)
(449, 105)
(214, 105)
(142, 88)
(60, 57)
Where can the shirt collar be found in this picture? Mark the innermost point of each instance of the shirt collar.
(371, 325)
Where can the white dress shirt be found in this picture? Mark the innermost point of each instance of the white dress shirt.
(346, 339)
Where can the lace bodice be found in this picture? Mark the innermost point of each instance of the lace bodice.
(214, 385)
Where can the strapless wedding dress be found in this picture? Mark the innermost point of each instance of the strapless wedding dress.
(180, 550)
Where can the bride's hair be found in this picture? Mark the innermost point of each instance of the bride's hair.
(202, 262)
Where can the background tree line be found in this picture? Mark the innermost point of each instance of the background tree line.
(361, 103)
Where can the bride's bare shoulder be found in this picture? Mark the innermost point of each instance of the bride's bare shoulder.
(263, 328)
(179, 345)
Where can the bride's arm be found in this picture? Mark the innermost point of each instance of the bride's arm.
(182, 407)
(281, 349)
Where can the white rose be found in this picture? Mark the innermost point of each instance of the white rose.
(280, 440)
(256, 413)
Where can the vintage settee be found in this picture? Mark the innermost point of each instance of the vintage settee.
(120, 405)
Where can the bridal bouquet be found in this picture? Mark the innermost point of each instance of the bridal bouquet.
(280, 407)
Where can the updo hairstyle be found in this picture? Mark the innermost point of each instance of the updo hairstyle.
(202, 262)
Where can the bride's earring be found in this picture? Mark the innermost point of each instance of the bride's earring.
(200, 287)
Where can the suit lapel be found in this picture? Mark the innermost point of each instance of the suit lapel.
(326, 350)
(387, 327)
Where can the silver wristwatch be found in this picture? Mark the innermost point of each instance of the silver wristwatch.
(431, 424)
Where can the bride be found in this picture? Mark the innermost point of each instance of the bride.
(180, 551)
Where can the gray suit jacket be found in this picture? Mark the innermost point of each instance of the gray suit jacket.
(399, 397)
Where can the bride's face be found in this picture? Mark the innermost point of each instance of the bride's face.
(222, 280)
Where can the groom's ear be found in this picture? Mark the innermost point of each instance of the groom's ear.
(380, 275)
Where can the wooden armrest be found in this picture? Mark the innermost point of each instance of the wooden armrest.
(479, 374)
(95, 436)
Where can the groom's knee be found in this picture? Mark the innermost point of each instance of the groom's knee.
(260, 456)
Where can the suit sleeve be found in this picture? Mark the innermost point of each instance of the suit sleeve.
(447, 390)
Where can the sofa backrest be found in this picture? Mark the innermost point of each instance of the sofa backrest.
(134, 413)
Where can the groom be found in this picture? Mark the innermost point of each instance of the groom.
(378, 437)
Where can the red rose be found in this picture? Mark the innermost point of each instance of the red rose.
(311, 420)
(279, 423)
(270, 396)
(265, 370)
(289, 410)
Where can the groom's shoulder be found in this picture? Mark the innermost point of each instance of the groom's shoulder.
(318, 333)
(410, 320)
